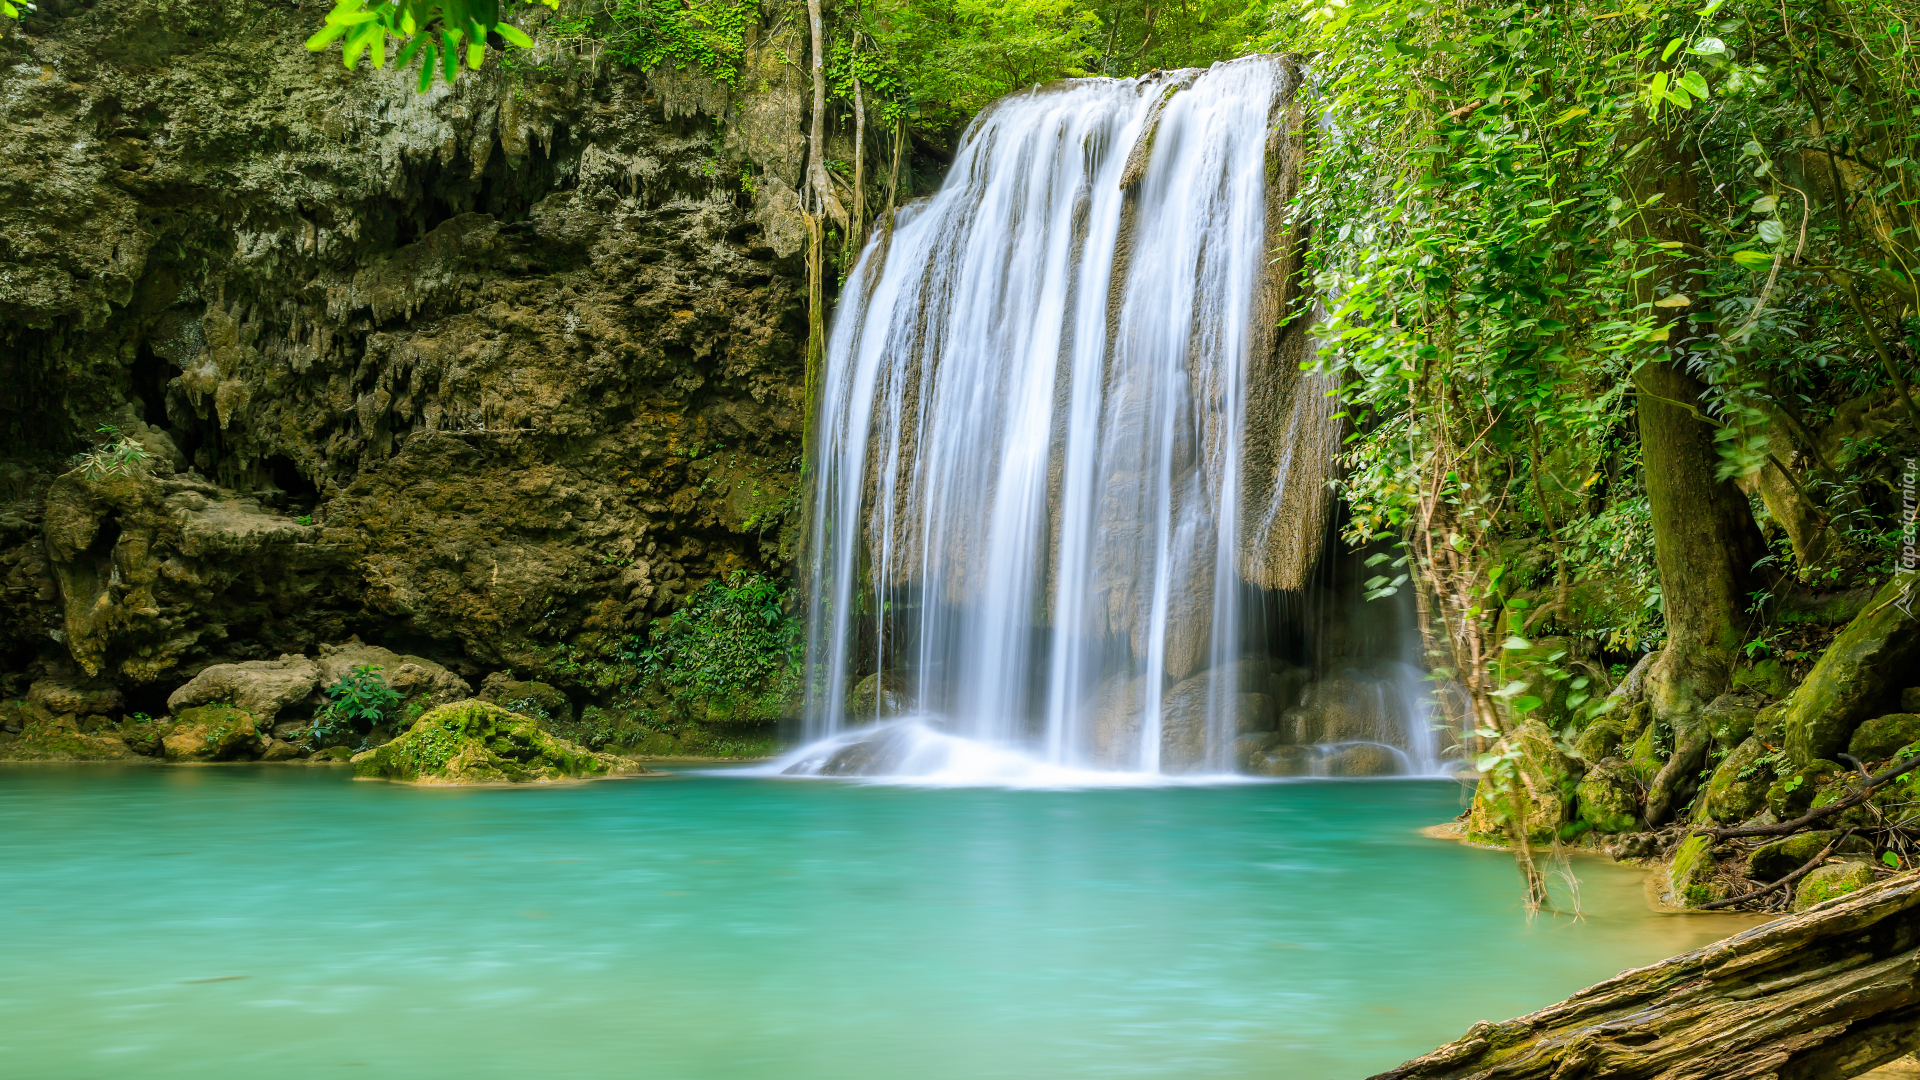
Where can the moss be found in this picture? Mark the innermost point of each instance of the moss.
(1851, 677)
(1738, 787)
(212, 733)
(1648, 753)
(1768, 676)
(1792, 794)
(476, 742)
(1546, 781)
(1609, 797)
(1688, 875)
(1827, 882)
(1775, 860)
(1882, 737)
(61, 740)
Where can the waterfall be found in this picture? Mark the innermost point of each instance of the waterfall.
(1062, 445)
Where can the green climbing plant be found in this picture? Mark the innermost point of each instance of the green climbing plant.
(439, 33)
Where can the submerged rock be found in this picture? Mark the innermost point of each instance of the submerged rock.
(476, 742)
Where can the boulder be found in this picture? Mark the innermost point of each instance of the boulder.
(476, 742)
(261, 687)
(412, 677)
(61, 739)
(1910, 700)
(1854, 677)
(537, 699)
(1791, 795)
(1547, 781)
(1775, 860)
(880, 696)
(281, 750)
(1831, 880)
(1608, 733)
(75, 697)
(1738, 787)
(212, 733)
(1364, 759)
(1283, 760)
(1184, 719)
(1884, 736)
(1347, 706)
(1690, 873)
(1730, 717)
(1609, 797)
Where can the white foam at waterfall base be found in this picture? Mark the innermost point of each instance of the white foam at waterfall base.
(917, 753)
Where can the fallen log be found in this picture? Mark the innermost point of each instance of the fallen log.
(1827, 994)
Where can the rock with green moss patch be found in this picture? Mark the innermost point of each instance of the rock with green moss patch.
(1882, 737)
(1541, 789)
(60, 739)
(1831, 880)
(1738, 788)
(1775, 860)
(1689, 874)
(212, 733)
(1853, 676)
(1768, 676)
(542, 701)
(1730, 717)
(1648, 753)
(1609, 797)
(1604, 736)
(1792, 794)
(477, 742)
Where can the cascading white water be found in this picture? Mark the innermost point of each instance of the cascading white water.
(1029, 464)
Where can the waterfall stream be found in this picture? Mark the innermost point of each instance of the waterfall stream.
(1063, 446)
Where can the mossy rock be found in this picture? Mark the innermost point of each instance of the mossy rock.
(1689, 874)
(1730, 717)
(212, 733)
(60, 739)
(1773, 861)
(1793, 794)
(1547, 779)
(477, 742)
(1831, 880)
(1768, 724)
(1738, 788)
(541, 701)
(1647, 754)
(1853, 676)
(1882, 737)
(1769, 677)
(1604, 736)
(1609, 797)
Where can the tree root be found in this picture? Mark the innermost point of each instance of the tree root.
(1874, 783)
(1756, 894)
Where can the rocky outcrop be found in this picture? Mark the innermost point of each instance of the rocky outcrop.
(491, 370)
(474, 742)
(261, 687)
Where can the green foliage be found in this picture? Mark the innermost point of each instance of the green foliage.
(358, 703)
(440, 33)
(114, 455)
(12, 10)
(731, 644)
(706, 35)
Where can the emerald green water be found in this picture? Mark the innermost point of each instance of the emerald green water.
(289, 923)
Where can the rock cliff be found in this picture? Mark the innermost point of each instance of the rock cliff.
(479, 373)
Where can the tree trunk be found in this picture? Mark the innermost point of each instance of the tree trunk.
(1824, 995)
(857, 231)
(1704, 539)
(823, 199)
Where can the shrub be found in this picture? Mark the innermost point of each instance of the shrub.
(361, 701)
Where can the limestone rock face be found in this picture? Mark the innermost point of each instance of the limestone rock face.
(474, 742)
(71, 697)
(880, 696)
(261, 687)
(501, 366)
(504, 690)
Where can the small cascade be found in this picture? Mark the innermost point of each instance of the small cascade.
(1066, 453)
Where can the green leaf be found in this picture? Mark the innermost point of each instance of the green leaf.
(513, 35)
(1516, 642)
(1526, 703)
(325, 37)
(1771, 231)
(1695, 84)
(1890, 859)
(1753, 260)
(1765, 204)
(1672, 47)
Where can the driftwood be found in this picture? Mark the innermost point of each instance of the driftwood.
(1823, 995)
